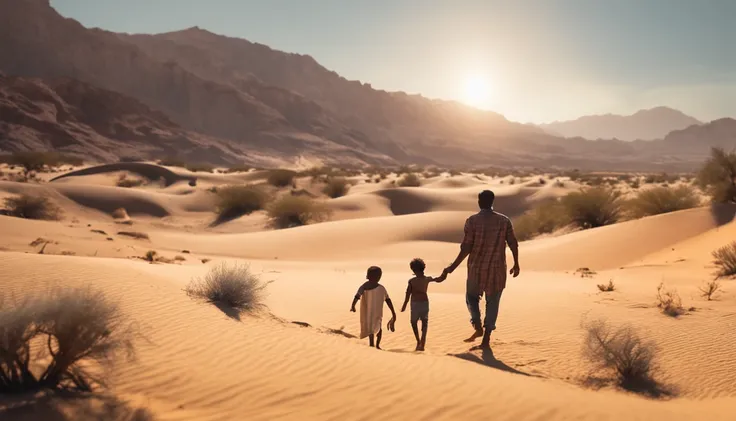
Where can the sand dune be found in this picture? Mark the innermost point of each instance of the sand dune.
(150, 171)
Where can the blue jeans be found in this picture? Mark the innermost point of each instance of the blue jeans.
(472, 299)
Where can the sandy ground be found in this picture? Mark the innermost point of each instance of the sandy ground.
(197, 363)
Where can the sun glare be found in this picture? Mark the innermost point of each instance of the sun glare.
(477, 91)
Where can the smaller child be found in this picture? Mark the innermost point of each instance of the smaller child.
(417, 291)
(372, 295)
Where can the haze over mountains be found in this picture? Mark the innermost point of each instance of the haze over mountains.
(227, 100)
(650, 124)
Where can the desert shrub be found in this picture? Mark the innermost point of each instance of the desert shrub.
(336, 187)
(291, 211)
(669, 301)
(136, 235)
(37, 161)
(32, 207)
(624, 353)
(234, 286)
(281, 178)
(178, 258)
(200, 167)
(710, 289)
(593, 207)
(409, 180)
(234, 201)
(238, 168)
(634, 183)
(725, 260)
(151, 256)
(65, 339)
(660, 200)
(718, 176)
(544, 219)
(124, 181)
(609, 287)
(120, 213)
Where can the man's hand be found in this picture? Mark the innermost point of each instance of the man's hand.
(352, 309)
(515, 271)
(449, 269)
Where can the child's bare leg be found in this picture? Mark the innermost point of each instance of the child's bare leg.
(370, 339)
(424, 333)
(415, 328)
(378, 339)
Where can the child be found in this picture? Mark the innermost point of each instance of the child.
(372, 295)
(417, 290)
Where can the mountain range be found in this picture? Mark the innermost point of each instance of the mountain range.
(650, 124)
(210, 98)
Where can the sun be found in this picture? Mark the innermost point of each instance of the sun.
(477, 91)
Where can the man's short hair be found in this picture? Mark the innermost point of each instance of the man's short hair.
(417, 265)
(374, 271)
(486, 199)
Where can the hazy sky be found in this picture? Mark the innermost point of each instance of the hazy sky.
(531, 60)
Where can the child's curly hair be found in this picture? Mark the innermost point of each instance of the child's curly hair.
(417, 265)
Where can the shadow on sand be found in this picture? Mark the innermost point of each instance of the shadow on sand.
(487, 359)
(723, 213)
(69, 406)
(229, 311)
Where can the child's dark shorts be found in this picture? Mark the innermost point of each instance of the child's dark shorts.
(419, 311)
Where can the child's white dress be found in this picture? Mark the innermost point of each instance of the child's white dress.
(371, 310)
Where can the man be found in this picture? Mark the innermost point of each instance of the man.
(486, 235)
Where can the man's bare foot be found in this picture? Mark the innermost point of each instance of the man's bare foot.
(477, 334)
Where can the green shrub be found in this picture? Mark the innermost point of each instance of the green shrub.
(281, 178)
(336, 187)
(718, 176)
(544, 219)
(409, 180)
(593, 207)
(725, 260)
(292, 211)
(32, 207)
(660, 200)
(235, 201)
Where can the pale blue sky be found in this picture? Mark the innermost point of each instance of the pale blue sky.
(540, 60)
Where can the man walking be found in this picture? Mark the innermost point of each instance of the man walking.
(486, 235)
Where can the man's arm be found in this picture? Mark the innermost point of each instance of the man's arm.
(514, 246)
(406, 300)
(465, 247)
(442, 277)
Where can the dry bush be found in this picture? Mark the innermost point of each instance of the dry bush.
(65, 339)
(234, 286)
(150, 256)
(120, 213)
(179, 258)
(336, 187)
(124, 181)
(37, 161)
(409, 180)
(32, 207)
(136, 235)
(660, 200)
(725, 260)
(200, 167)
(610, 287)
(544, 219)
(625, 354)
(237, 168)
(718, 176)
(593, 207)
(710, 290)
(292, 211)
(281, 178)
(585, 272)
(669, 302)
(235, 201)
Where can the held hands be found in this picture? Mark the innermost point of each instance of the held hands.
(515, 271)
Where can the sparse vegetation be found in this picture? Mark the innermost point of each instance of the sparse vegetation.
(65, 339)
(660, 200)
(150, 256)
(336, 187)
(120, 213)
(136, 235)
(38, 161)
(195, 167)
(281, 178)
(124, 181)
(237, 168)
(593, 207)
(609, 287)
(32, 207)
(291, 211)
(625, 354)
(235, 201)
(669, 301)
(546, 218)
(409, 180)
(585, 272)
(234, 286)
(718, 176)
(179, 258)
(710, 290)
(725, 260)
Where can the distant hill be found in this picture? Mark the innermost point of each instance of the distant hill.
(651, 124)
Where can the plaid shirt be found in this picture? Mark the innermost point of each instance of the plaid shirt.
(487, 233)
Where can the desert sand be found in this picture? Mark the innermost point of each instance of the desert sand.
(195, 362)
